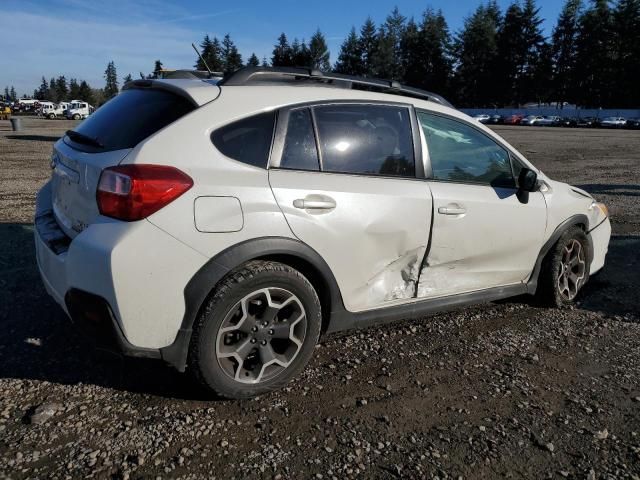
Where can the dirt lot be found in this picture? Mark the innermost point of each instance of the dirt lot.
(500, 390)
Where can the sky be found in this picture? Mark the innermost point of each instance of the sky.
(77, 38)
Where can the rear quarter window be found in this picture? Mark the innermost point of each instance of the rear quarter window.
(130, 117)
(247, 140)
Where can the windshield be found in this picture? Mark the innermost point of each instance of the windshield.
(130, 117)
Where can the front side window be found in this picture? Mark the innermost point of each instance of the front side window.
(365, 139)
(461, 153)
(247, 140)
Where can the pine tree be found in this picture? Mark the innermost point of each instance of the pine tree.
(157, 68)
(476, 52)
(626, 74)
(52, 90)
(111, 77)
(62, 90)
(231, 58)
(253, 61)
(368, 44)
(43, 91)
(564, 45)
(594, 62)
(211, 51)
(74, 88)
(86, 93)
(282, 53)
(350, 58)
(300, 54)
(265, 62)
(319, 52)
(12, 94)
(426, 53)
(388, 59)
(7, 95)
(127, 78)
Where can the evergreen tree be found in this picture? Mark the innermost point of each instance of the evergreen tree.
(86, 93)
(594, 65)
(535, 45)
(265, 62)
(12, 94)
(388, 58)
(300, 54)
(563, 49)
(350, 58)
(157, 68)
(127, 78)
(282, 56)
(52, 90)
(231, 58)
(476, 52)
(62, 90)
(43, 92)
(7, 95)
(426, 53)
(74, 88)
(111, 77)
(253, 61)
(211, 51)
(368, 44)
(319, 52)
(626, 74)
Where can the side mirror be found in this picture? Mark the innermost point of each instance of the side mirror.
(527, 180)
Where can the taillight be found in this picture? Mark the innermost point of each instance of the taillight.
(133, 192)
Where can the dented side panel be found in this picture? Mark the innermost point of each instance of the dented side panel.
(374, 239)
(494, 242)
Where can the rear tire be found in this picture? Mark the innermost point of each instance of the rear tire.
(256, 332)
(76, 117)
(565, 269)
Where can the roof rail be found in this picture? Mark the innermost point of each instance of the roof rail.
(278, 75)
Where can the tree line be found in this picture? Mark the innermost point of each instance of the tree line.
(498, 58)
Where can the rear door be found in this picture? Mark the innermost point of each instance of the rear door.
(345, 177)
(484, 233)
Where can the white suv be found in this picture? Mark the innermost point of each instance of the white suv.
(224, 228)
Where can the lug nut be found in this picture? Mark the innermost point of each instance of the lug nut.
(254, 329)
(253, 340)
(264, 324)
(264, 342)
(271, 332)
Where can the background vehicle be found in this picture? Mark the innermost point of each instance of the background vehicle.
(482, 118)
(549, 121)
(613, 122)
(586, 122)
(531, 120)
(633, 123)
(514, 119)
(568, 122)
(496, 120)
(215, 229)
(78, 110)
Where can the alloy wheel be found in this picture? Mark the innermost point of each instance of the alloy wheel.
(261, 335)
(572, 270)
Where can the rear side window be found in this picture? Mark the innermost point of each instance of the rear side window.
(129, 118)
(366, 139)
(247, 140)
(300, 152)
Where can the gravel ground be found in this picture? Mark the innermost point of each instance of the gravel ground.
(498, 390)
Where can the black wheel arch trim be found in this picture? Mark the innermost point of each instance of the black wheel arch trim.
(205, 280)
(578, 219)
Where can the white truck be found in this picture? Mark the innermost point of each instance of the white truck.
(78, 110)
(51, 110)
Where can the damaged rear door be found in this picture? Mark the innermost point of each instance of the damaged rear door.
(345, 177)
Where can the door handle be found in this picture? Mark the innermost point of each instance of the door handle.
(314, 203)
(452, 209)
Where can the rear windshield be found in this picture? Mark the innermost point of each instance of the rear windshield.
(127, 119)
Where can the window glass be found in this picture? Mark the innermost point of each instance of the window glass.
(130, 117)
(247, 140)
(366, 139)
(300, 152)
(460, 153)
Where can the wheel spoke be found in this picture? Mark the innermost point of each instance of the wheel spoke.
(267, 355)
(281, 330)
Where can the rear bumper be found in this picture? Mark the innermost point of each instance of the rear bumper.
(134, 275)
(600, 237)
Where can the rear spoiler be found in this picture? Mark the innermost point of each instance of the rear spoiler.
(197, 92)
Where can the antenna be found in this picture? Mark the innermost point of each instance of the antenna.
(203, 60)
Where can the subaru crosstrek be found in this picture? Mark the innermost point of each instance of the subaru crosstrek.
(225, 226)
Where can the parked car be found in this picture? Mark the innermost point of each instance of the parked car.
(482, 118)
(531, 120)
(568, 122)
(613, 122)
(496, 120)
(205, 231)
(548, 121)
(514, 119)
(633, 123)
(586, 122)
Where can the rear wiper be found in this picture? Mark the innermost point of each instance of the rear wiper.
(82, 138)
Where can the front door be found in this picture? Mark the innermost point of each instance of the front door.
(344, 176)
(484, 234)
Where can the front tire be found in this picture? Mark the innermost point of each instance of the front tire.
(256, 332)
(76, 117)
(565, 269)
